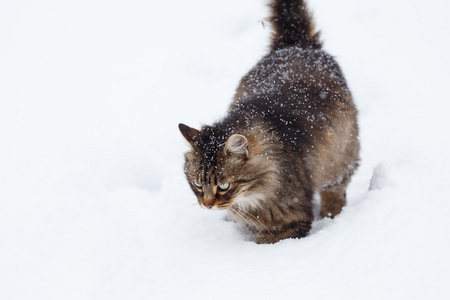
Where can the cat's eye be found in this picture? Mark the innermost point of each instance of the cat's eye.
(197, 185)
(224, 186)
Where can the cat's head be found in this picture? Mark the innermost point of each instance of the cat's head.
(224, 168)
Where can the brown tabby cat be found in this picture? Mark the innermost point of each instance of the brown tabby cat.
(290, 132)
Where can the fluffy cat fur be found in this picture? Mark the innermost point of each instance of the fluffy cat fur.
(290, 132)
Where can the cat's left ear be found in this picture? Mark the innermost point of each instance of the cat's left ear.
(190, 134)
(237, 144)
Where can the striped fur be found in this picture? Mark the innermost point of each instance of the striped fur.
(290, 132)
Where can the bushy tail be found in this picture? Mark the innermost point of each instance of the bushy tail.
(292, 25)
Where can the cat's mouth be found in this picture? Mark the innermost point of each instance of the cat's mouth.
(215, 206)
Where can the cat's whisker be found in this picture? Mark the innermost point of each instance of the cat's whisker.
(240, 226)
(237, 221)
(254, 224)
(228, 215)
(257, 219)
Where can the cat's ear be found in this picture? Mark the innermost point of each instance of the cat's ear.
(190, 134)
(237, 144)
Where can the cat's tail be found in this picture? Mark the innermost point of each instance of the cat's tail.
(292, 25)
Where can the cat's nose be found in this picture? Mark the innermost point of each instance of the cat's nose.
(208, 206)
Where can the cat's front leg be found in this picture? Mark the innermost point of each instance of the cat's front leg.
(293, 230)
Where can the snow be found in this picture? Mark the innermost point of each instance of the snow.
(94, 203)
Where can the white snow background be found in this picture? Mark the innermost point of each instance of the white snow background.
(93, 199)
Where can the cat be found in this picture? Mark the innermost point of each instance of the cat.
(291, 132)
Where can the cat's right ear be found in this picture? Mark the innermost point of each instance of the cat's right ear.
(237, 145)
(190, 134)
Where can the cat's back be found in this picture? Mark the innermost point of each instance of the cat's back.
(294, 71)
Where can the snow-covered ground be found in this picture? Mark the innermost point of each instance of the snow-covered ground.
(93, 200)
